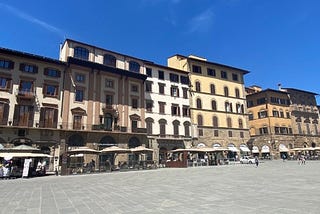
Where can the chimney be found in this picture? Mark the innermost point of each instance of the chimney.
(279, 87)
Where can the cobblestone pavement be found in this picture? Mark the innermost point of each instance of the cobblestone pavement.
(273, 187)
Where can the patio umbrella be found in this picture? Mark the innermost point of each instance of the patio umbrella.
(115, 149)
(141, 149)
(83, 150)
(21, 148)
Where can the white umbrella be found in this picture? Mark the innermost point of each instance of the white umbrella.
(115, 149)
(141, 149)
(83, 150)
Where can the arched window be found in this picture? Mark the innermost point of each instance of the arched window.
(186, 128)
(134, 66)
(162, 124)
(212, 89)
(229, 122)
(199, 104)
(214, 105)
(81, 53)
(200, 120)
(109, 60)
(215, 121)
(176, 125)
(240, 123)
(149, 124)
(226, 91)
(228, 106)
(237, 92)
(198, 87)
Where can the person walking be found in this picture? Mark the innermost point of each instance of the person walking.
(256, 160)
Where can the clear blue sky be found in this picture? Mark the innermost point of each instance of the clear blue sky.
(278, 41)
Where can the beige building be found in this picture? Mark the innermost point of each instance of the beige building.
(281, 120)
(217, 102)
(31, 97)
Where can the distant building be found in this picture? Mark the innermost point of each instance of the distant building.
(276, 124)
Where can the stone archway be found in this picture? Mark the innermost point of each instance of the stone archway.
(107, 141)
(134, 142)
(75, 140)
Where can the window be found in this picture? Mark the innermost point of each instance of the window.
(224, 75)
(198, 87)
(215, 121)
(275, 113)
(185, 111)
(176, 128)
(148, 86)
(109, 99)
(196, 69)
(200, 120)
(262, 114)
(200, 132)
(48, 117)
(23, 115)
(235, 77)
(199, 104)
(175, 110)
(216, 133)
(109, 83)
(211, 72)
(230, 133)
(263, 130)
(226, 91)
(77, 122)
(214, 105)
(109, 60)
(161, 75)
(161, 88)
(240, 122)
(184, 80)
(212, 89)
(149, 105)
(249, 103)
(241, 135)
(79, 95)
(228, 107)
(288, 114)
(6, 64)
(81, 53)
(51, 72)
(250, 116)
(237, 92)
(174, 78)
(238, 108)
(50, 90)
(26, 88)
(174, 91)
(28, 68)
(134, 66)
(134, 88)
(162, 124)
(162, 107)
(134, 125)
(149, 72)
(261, 100)
(4, 113)
(229, 122)
(185, 93)
(149, 123)
(186, 130)
(281, 113)
(5, 83)
(134, 103)
(80, 78)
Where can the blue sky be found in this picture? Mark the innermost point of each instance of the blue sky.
(278, 41)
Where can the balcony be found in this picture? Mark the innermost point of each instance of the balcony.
(25, 95)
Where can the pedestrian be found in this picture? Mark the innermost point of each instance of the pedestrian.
(256, 160)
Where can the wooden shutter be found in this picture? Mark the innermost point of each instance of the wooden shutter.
(42, 117)
(16, 115)
(31, 116)
(5, 114)
(55, 118)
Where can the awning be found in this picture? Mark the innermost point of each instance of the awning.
(283, 149)
(233, 149)
(244, 149)
(23, 154)
(265, 149)
(255, 149)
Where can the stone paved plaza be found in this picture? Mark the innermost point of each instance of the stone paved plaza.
(273, 187)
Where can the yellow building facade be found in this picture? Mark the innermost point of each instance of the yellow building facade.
(217, 101)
